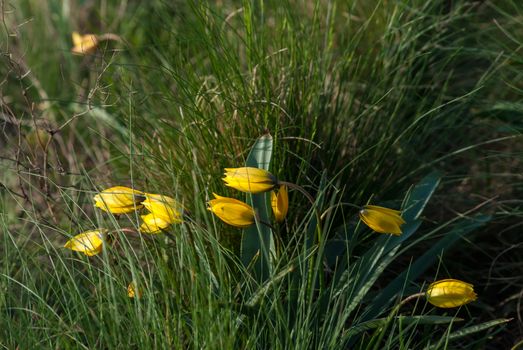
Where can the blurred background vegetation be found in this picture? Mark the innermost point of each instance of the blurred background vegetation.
(372, 94)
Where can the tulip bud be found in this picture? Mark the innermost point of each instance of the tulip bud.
(153, 224)
(84, 44)
(119, 200)
(90, 242)
(166, 208)
(249, 180)
(450, 293)
(382, 220)
(232, 211)
(133, 291)
(280, 203)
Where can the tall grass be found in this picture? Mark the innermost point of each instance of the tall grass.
(363, 99)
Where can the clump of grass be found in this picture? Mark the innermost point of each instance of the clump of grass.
(363, 100)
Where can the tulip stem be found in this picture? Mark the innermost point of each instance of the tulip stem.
(306, 194)
(299, 188)
(313, 269)
(394, 312)
(347, 204)
(109, 36)
(409, 298)
(258, 219)
(265, 223)
(406, 300)
(126, 230)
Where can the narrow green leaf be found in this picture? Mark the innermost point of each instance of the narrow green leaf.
(518, 345)
(406, 320)
(420, 196)
(477, 328)
(470, 330)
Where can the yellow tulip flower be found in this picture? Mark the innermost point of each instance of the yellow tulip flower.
(250, 180)
(164, 208)
(450, 293)
(90, 242)
(382, 220)
(153, 223)
(119, 200)
(84, 44)
(280, 203)
(134, 291)
(232, 211)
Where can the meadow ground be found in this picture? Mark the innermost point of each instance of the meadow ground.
(411, 105)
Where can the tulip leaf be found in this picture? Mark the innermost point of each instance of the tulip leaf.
(405, 320)
(257, 247)
(420, 196)
(470, 330)
(261, 153)
(477, 328)
(361, 276)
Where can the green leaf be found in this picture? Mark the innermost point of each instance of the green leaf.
(406, 320)
(477, 328)
(257, 247)
(470, 330)
(358, 280)
(261, 153)
(420, 196)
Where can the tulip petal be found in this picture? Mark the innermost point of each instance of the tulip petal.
(134, 291)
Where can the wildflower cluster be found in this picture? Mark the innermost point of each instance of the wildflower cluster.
(249, 180)
(163, 211)
(444, 293)
(255, 180)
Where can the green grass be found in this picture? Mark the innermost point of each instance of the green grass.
(408, 104)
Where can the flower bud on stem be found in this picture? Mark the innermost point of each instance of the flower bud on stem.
(311, 200)
(313, 267)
